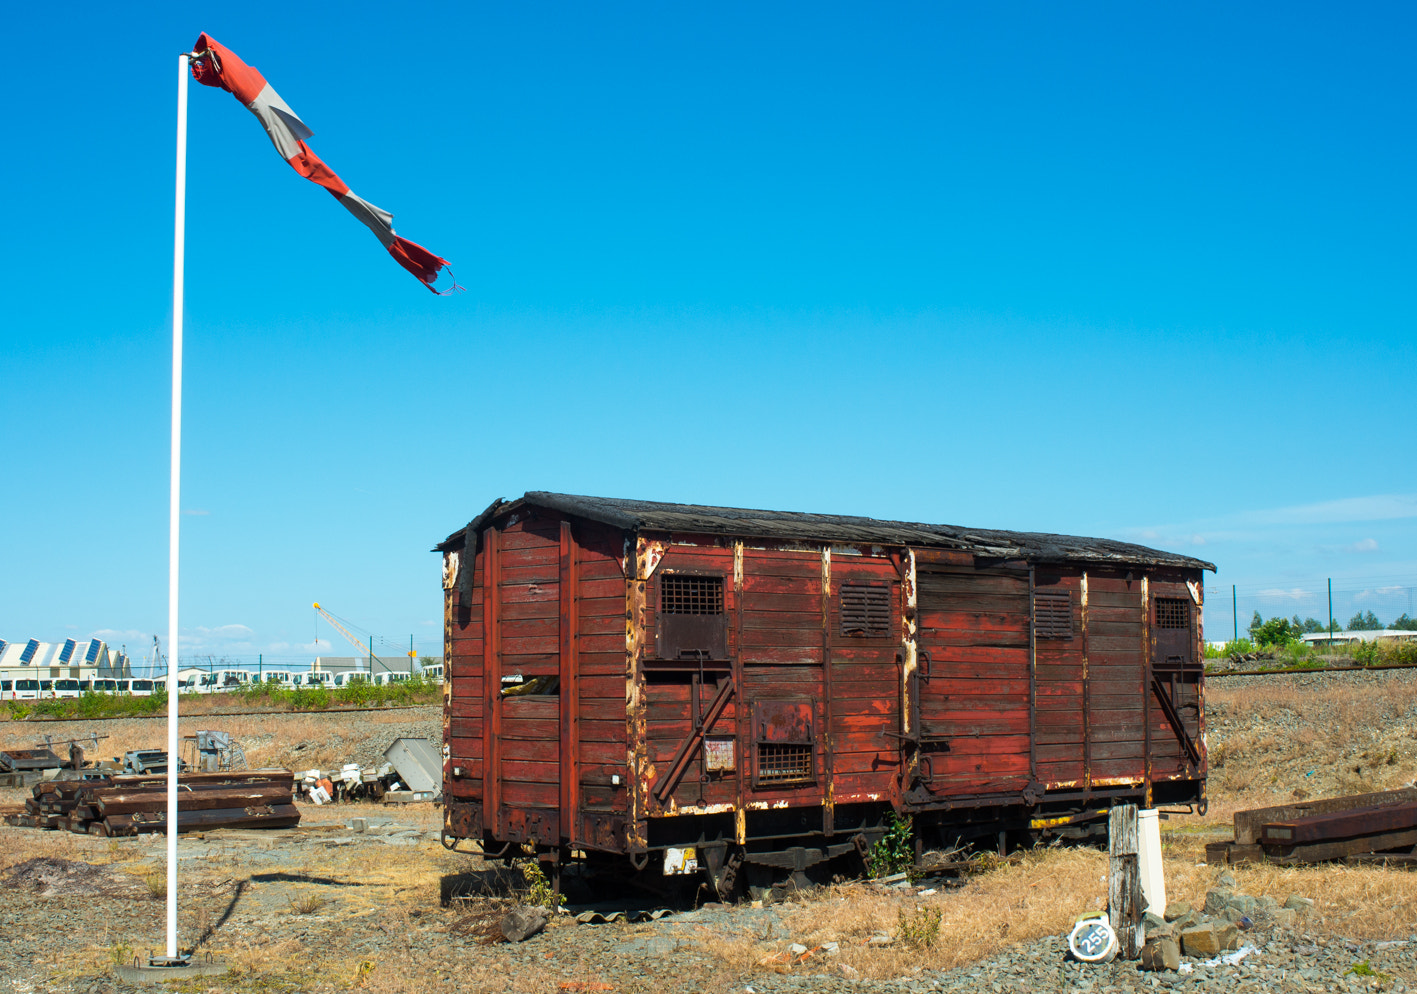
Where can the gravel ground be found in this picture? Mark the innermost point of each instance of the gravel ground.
(1280, 963)
(375, 921)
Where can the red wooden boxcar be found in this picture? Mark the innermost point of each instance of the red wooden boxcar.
(635, 680)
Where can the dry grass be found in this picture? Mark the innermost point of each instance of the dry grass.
(306, 901)
(1295, 737)
(1359, 902)
(294, 740)
(1039, 895)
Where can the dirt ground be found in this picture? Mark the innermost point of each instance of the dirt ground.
(324, 908)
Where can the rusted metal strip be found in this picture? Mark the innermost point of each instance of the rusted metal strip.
(742, 732)
(1086, 695)
(1173, 718)
(690, 745)
(1148, 649)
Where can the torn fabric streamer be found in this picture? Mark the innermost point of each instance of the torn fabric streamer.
(215, 65)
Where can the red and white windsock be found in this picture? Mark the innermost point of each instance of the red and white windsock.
(214, 64)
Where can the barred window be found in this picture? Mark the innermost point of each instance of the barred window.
(865, 611)
(1053, 614)
(691, 622)
(1172, 612)
(682, 594)
(784, 763)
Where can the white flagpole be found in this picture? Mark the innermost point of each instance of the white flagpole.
(174, 509)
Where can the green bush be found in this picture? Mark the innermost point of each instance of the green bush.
(1234, 647)
(894, 851)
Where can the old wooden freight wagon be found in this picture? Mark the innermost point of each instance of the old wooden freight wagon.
(631, 680)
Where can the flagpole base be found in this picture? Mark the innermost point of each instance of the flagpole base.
(162, 968)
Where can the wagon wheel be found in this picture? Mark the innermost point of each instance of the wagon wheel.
(723, 876)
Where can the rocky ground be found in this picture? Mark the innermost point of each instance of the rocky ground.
(326, 908)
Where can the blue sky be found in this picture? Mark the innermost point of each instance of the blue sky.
(1122, 271)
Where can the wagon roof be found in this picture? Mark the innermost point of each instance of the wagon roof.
(699, 519)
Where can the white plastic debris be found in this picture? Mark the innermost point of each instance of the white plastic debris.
(927, 892)
(1184, 968)
(1230, 959)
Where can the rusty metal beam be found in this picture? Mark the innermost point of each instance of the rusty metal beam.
(1173, 718)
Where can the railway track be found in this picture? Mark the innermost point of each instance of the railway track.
(1209, 674)
(230, 714)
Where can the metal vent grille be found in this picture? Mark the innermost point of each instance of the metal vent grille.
(680, 594)
(865, 611)
(1172, 612)
(784, 763)
(1053, 614)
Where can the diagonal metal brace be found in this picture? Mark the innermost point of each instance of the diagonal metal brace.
(670, 780)
(1173, 717)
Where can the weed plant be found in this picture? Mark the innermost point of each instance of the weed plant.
(919, 929)
(540, 893)
(894, 852)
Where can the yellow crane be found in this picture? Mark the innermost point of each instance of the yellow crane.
(363, 650)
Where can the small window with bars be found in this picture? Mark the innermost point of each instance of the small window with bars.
(1172, 612)
(781, 762)
(865, 611)
(683, 594)
(1053, 614)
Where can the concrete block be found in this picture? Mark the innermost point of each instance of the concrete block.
(1217, 900)
(1201, 941)
(1177, 910)
(1161, 953)
(1243, 903)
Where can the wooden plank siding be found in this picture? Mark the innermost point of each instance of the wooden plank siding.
(991, 713)
(974, 683)
(1060, 672)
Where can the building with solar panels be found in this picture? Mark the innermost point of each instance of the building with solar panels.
(35, 669)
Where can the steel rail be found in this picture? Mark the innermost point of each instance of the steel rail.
(236, 714)
(1291, 670)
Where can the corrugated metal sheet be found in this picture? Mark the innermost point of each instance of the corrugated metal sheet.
(697, 519)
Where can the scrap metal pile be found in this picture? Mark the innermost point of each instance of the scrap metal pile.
(412, 771)
(130, 805)
(1361, 828)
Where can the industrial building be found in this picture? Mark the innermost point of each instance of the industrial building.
(37, 669)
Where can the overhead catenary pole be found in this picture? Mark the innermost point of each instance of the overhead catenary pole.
(1235, 610)
(174, 501)
(1330, 612)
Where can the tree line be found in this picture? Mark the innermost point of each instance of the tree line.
(1280, 630)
